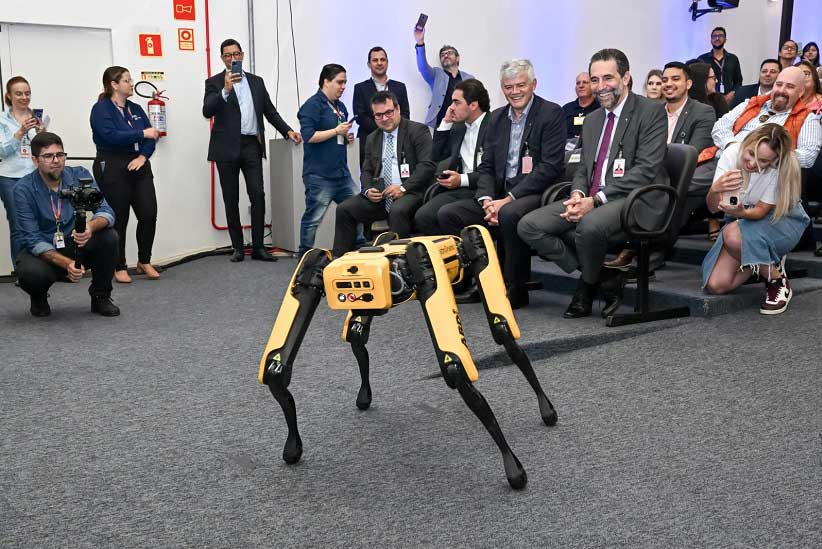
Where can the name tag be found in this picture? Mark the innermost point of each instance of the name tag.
(59, 240)
(340, 140)
(405, 170)
(619, 167)
(527, 164)
(578, 120)
(575, 158)
(25, 151)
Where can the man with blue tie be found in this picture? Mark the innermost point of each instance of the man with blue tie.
(238, 101)
(396, 172)
(623, 148)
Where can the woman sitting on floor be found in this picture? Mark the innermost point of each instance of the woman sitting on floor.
(764, 174)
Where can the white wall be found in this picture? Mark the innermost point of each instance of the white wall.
(558, 36)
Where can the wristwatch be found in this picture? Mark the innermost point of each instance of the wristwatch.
(597, 201)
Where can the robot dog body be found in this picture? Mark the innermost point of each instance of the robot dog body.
(372, 280)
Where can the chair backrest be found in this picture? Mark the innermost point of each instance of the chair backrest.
(680, 163)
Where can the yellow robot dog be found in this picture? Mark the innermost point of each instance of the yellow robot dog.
(370, 281)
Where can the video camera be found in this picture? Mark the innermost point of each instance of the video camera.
(84, 198)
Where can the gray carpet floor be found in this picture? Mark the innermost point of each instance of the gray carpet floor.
(150, 430)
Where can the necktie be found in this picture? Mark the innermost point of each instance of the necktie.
(387, 165)
(602, 155)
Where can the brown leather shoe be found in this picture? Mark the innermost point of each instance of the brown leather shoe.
(148, 270)
(122, 277)
(622, 261)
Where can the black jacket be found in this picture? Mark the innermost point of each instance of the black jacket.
(446, 149)
(363, 92)
(413, 147)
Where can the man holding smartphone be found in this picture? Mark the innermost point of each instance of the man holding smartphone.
(238, 101)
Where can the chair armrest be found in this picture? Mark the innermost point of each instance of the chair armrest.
(556, 192)
(624, 215)
(431, 191)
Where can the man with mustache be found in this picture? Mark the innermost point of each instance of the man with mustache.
(623, 148)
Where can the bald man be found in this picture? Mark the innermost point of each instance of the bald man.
(576, 111)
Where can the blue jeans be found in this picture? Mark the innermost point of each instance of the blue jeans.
(7, 195)
(319, 192)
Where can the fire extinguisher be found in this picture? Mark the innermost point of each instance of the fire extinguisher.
(156, 107)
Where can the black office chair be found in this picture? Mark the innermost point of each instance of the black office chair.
(680, 162)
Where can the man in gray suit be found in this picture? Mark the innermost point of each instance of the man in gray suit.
(397, 170)
(623, 148)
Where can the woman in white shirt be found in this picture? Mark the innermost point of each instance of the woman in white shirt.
(757, 182)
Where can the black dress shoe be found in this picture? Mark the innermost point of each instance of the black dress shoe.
(469, 295)
(260, 254)
(580, 305)
(237, 256)
(40, 305)
(612, 286)
(104, 306)
(518, 298)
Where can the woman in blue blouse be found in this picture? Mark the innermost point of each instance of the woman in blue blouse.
(125, 141)
(18, 126)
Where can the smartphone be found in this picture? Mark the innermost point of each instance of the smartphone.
(236, 67)
(443, 175)
(731, 198)
(353, 120)
(422, 21)
(38, 114)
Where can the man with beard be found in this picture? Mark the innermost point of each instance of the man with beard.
(440, 80)
(726, 65)
(623, 148)
(768, 71)
(576, 111)
(44, 230)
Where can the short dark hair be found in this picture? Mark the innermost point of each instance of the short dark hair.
(376, 48)
(678, 65)
(449, 47)
(229, 42)
(611, 54)
(772, 61)
(720, 29)
(330, 71)
(43, 140)
(473, 90)
(385, 96)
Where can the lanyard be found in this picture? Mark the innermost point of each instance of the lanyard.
(336, 111)
(57, 211)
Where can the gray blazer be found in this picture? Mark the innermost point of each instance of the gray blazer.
(694, 125)
(640, 136)
(437, 80)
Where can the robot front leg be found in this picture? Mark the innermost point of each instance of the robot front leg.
(484, 266)
(299, 303)
(357, 329)
(440, 310)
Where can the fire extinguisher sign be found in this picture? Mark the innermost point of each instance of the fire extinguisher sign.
(151, 45)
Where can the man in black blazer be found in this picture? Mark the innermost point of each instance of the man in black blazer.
(459, 143)
(365, 90)
(768, 71)
(524, 154)
(397, 170)
(618, 156)
(238, 103)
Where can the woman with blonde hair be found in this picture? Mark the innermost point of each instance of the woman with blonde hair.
(758, 184)
(653, 85)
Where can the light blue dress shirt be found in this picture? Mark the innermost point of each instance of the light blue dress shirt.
(248, 118)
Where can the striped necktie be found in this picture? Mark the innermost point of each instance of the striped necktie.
(387, 167)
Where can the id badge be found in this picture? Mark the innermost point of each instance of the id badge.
(25, 151)
(59, 240)
(527, 164)
(578, 120)
(721, 87)
(575, 158)
(619, 167)
(405, 171)
(340, 140)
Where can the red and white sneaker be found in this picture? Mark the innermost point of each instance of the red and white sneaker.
(778, 294)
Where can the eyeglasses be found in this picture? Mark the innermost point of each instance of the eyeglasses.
(235, 55)
(125, 81)
(447, 52)
(717, 36)
(48, 157)
(384, 115)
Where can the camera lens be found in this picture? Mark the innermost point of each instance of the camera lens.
(734, 201)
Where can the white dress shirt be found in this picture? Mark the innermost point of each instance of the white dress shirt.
(617, 112)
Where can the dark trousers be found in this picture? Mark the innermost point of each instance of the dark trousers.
(358, 209)
(572, 246)
(126, 190)
(36, 275)
(516, 268)
(250, 163)
(426, 220)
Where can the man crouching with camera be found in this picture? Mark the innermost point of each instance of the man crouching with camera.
(50, 203)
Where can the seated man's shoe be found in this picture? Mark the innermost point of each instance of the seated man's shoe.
(580, 305)
(612, 286)
(469, 295)
(622, 260)
(518, 298)
(122, 276)
(237, 255)
(260, 254)
(104, 306)
(40, 305)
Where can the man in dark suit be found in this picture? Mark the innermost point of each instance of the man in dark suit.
(397, 170)
(365, 90)
(459, 143)
(768, 71)
(524, 154)
(238, 102)
(618, 156)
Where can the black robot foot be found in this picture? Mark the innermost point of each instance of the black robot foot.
(364, 397)
(517, 477)
(549, 415)
(293, 450)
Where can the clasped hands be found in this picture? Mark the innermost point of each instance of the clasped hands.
(392, 191)
(576, 207)
(492, 208)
